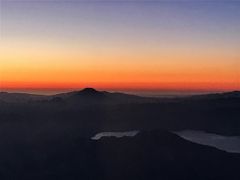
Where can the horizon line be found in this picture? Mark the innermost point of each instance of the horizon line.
(147, 92)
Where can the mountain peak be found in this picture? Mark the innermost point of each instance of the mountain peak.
(89, 92)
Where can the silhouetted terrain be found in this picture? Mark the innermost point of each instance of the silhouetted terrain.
(88, 112)
(148, 155)
(48, 137)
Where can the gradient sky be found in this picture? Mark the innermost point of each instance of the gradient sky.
(138, 45)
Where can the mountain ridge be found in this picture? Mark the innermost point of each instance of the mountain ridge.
(91, 92)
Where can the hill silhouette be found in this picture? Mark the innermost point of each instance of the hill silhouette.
(92, 96)
(89, 111)
(48, 137)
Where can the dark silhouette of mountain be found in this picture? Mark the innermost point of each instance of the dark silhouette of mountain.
(148, 155)
(89, 111)
(91, 96)
(86, 96)
(121, 97)
(89, 92)
(48, 137)
(86, 92)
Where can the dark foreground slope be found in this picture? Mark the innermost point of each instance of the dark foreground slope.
(149, 155)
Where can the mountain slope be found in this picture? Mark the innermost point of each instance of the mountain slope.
(148, 155)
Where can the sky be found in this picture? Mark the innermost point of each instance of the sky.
(161, 45)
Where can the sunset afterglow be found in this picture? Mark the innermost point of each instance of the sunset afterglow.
(120, 45)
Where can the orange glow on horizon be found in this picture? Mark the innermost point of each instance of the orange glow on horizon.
(148, 78)
(155, 47)
(176, 86)
(34, 66)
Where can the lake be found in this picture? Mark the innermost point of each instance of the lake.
(226, 143)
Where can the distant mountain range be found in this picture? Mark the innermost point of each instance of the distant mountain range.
(87, 94)
(89, 111)
(90, 93)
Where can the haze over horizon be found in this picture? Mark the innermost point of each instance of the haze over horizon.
(129, 46)
(138, 92)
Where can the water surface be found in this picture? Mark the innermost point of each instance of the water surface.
(114, 134)
(226, 143)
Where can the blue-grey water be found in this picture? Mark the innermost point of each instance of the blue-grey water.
(226, 143)
(114, 134)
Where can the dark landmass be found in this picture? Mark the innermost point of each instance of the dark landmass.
(48, 137)
(88, 112)
(148, 155)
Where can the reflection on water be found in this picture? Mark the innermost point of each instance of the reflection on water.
(114, 134)
(226, 143)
